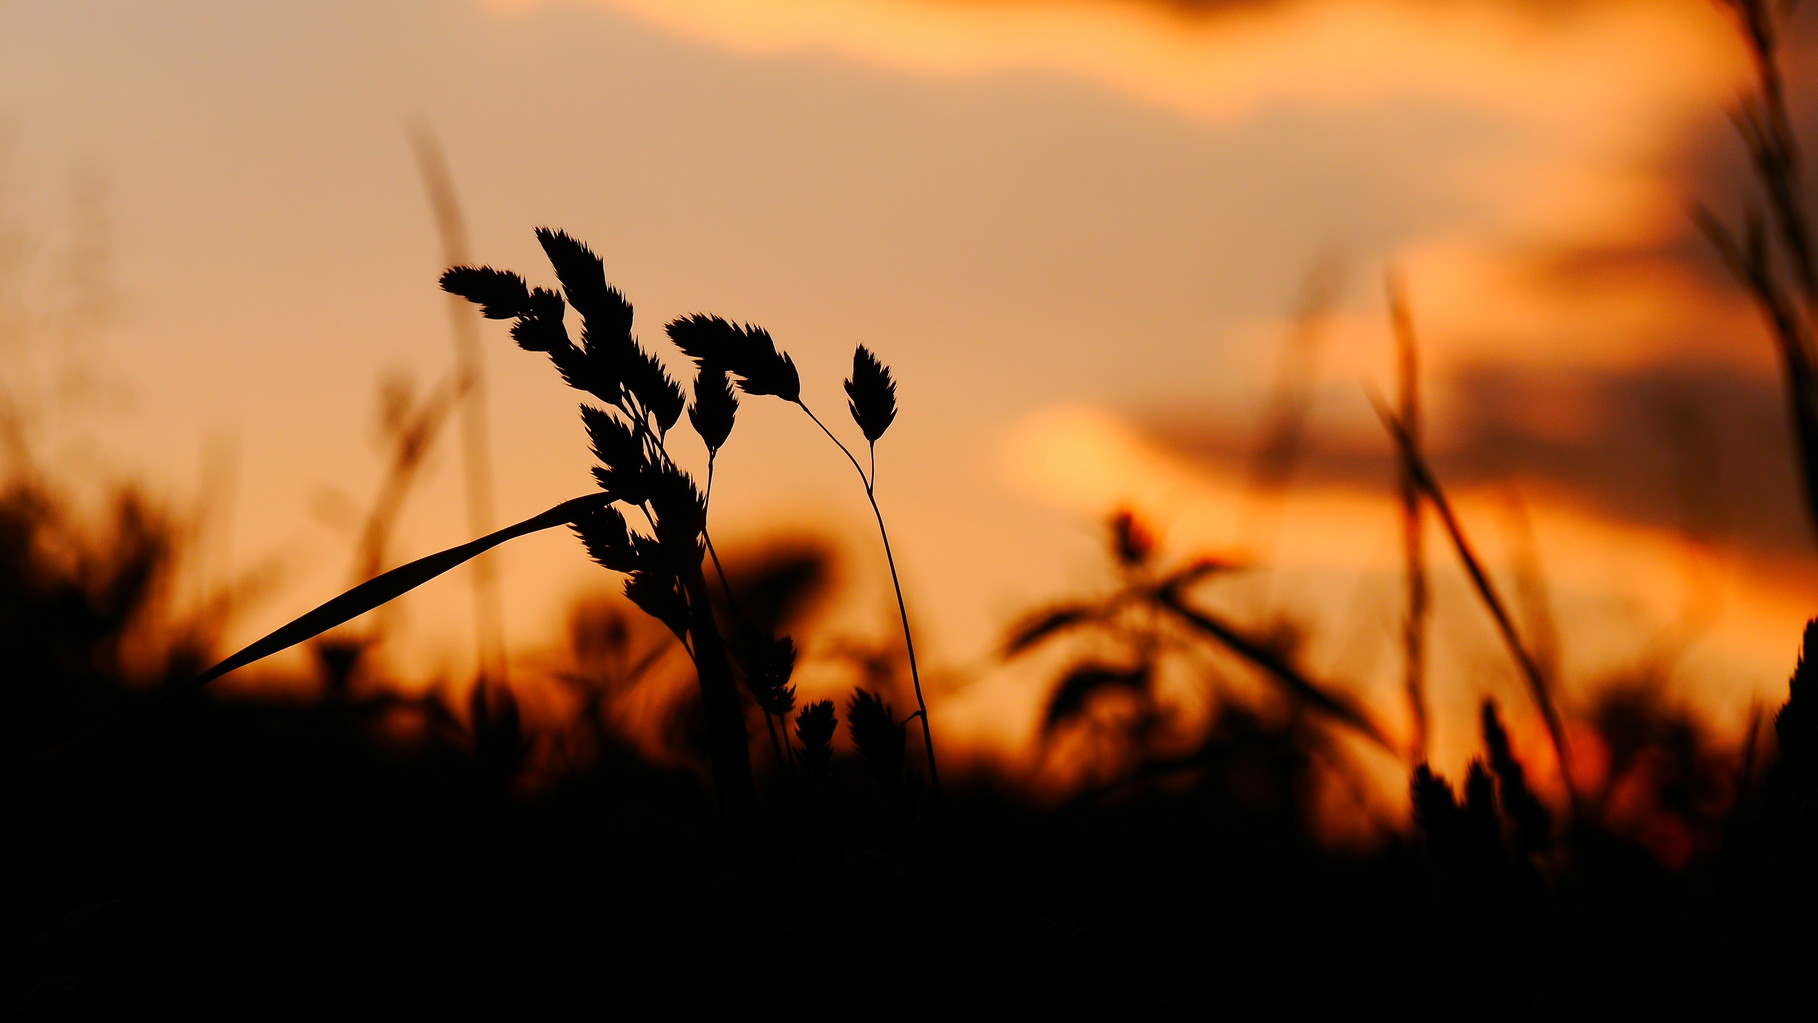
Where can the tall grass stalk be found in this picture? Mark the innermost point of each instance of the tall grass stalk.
(864, 364)
(1771, 255)
(470, 387)
(1539, 688)
(1414, 623)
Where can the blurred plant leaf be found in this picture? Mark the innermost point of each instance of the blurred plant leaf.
(1274, 667)
(1068, 701)
(1050, 622)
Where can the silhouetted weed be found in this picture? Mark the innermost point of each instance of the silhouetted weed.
(1772, 255)
(629, 436)
(879, 738)
(1531, 824)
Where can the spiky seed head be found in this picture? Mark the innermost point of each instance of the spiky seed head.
(1435, 806)
(662, 396)
(657, 595)
(708, 340)
(1532, 822)
(535, 335)
(627, 483)
(769, 663)
(583, 279)
(877, 735)
(747, 352)
(715, 406)
(814, 728)
(608, 540)
(681, 511)
(500, 294)
(776, 375)
(1131, 540)
(545, 305)
(1480, 814)
(585, 371)
(615, 442)
(540, 328)
(762, 369)
(1796, 725)
(871, 394)
(624, 471)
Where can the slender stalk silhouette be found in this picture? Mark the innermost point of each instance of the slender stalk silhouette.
(470, 377)
(1772, 254)
(1414, 623)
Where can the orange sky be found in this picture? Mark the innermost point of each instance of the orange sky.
(1076, 230)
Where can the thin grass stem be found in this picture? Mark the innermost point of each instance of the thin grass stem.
(1414, 623)
(915, 677)
(1531, 672)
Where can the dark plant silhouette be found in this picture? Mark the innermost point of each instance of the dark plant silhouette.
(636, 472)
(1772, 254)
(720, 347)
(814, 728)
(1129, 637)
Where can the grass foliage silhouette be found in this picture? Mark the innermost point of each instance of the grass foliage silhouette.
(370, 854)
(629, 431)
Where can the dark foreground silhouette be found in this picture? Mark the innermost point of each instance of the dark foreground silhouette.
(367, 857)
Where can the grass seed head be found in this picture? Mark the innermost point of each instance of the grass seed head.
(814, 728)
(608, 540)
(769, 663)
(1533, 824)
(1796, 726)
(871, 394)
(540, 328)
(585, 371)
(714, 407)
(656, 594)
(708, 340)
(877, 734)
(500, 294)
(681, 511)
(646, 378)
(583, 279)
(1131, 539)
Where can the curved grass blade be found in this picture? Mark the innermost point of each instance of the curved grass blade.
(393, 584)
(1276, 667)
(1407, 448)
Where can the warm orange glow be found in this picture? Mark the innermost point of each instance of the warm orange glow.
(1050, 216)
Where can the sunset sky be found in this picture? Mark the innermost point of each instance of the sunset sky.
(1077, 230)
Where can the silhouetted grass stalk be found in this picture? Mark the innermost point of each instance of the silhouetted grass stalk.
(780, 749)
(1414, 625)
(915, 677)
(1273, 664)
(1765, 254)
(470, 388)
(1538, 687)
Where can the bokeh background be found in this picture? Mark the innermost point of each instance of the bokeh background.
(1112, 249)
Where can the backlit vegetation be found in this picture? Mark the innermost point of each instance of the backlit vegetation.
(368, 854)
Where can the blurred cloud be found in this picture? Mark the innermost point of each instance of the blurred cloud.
(1605, 63)
(1021, 204)
(1703, 450)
